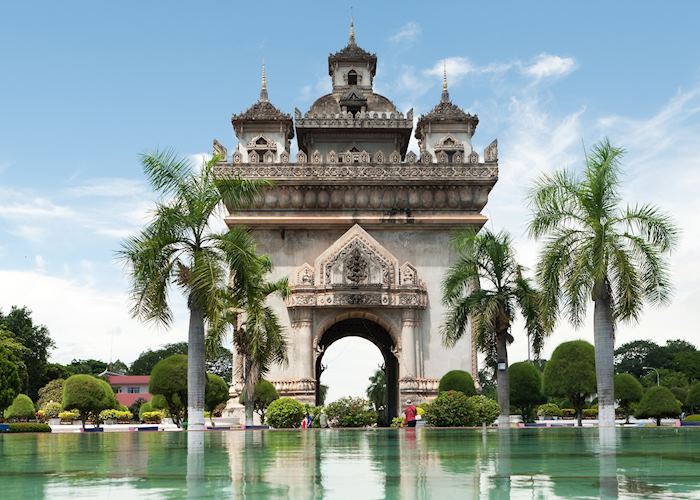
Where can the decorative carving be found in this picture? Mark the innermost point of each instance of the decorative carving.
(237, 157)
(457, 157)
(316, 158)
(409, 115)
(379, 157)
(491, 152)
(219, 150)
(297, 114)
(269, 157)
(305, 275)
(473, 157)
(426, 158)
(364, 157)
(442, 157)
(284, 157)
(252, 157)
(395, 157)
(356, 266)
(332, 157)
(301, 157)
(408, 275)
(411, 157)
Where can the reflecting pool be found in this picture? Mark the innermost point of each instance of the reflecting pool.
(358, 464)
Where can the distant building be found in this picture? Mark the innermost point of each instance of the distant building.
(129, 388)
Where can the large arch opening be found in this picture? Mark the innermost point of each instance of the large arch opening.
(380, 337)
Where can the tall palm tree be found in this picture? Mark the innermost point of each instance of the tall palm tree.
(258, 336)
(178, 247)
(376, 391)
(595, 249)
(486, 286)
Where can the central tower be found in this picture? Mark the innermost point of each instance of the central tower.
(360, 225)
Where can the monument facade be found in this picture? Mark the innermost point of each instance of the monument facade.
(360, 225)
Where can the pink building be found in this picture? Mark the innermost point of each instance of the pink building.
(129, 388)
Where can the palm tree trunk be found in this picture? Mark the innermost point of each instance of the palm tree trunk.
(502, 385)
(251, 377)
(196, 370)
(604, 337)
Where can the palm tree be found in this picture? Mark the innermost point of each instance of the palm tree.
(258, 336)
(486, 286)
(596, 249)
(178, 247)
(376, 391)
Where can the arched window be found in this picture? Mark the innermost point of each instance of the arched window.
(352, 77)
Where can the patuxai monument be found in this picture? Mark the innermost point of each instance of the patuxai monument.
(360, 225)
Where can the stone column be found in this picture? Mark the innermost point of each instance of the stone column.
(303, 338)
(408, 345)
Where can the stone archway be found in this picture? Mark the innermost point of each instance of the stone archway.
(380, 337)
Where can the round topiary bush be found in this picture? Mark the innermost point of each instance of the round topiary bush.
(450, 409)
(658, 402)
(548, 410)
(457, 380)
(21, 408)
(285, 413)
(351, 412)
(87, 394)
(51, 409)
(145, 408)
(169, 379)
(486, 410)
(215, 392)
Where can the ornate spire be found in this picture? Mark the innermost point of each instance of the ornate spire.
(352, 41)
(263, 86)
(445, 94)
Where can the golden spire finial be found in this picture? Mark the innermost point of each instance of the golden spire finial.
(263, 85)
(445, 94)
(352, 30)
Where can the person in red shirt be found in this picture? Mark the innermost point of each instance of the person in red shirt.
(410, 412)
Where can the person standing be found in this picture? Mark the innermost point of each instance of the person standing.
(410, 412)
(323, 420)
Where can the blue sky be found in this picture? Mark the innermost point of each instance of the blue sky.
(86, 87)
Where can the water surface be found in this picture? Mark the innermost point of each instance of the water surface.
(422, 463)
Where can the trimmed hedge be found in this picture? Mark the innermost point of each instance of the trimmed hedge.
(28, 427)
(692, 418)
(457, 380)
(285, 413)
(450, 409)
(21, 408)
(152, 417)
(548, 410)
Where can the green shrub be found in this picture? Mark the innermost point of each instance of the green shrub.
(525, 382)
(315, 412)
(457, 380)
(145, 408)
(397, 422)
(152, 417)
(21, 408)
(486, 410)
(53, 391)
(590, 412)
(548, 410)
(215, 393)
(692, 418)
(351, 412)
(628, 391)
(658, 402)
(119, 415)
(169, 379)
(89, 395)
(568, 412)
(69, 416)
(692, 400)
(450, 409)
(285, 413)
(135, 407)
(570, 373)
(264, 393)
(28, 427)
(51, 409)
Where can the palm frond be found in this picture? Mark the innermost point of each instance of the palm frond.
(166, 172)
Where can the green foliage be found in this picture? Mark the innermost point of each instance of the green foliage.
(51, 409)
(450, 409)
(485, 410)
(633, 356)
(88, 394)
(146, 407)
(549, 410)
(668, 378)
(628, 391)
(69, 416)
(590, 412)
(169, 379)
(87, 366)
(37, 344)
(351, 412)
(285, 413)
(570, 373)
(113, 414)
(143, 365)
(692, 400)
(525, 382)
(658, 402)
(680, 394)
(376, 391)
(264, 393)
(152, 417)
(135, 407)
(21, 408)
(688, 362)
(53, 391)
(568, 412)
(397, 422)
(10, 381)
(692, 418)
(216, 392)
(28, 427)
(322, 393)
(457, 380)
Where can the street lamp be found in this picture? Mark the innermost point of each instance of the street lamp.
(658, 378)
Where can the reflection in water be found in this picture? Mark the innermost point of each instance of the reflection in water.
(381, 463)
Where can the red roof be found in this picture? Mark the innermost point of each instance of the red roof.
(127, 399)
(128, 379)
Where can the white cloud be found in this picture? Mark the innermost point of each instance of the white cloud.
(39, 263)
(549, 66)
(109, 187)
(17, 205)
(407, 33)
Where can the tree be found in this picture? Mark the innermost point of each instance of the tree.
(668, 378)
(215, 393)
(56, 370)
(571, 374)
(143, 365)
(117, 366)
(525, 388)
(37, 343)
(87, 394)
(21, 408)
(687, 362)
(628, 391)
(376, 391)
(658, 402)
(258, 336)
(596, 249)
(633, 356)
(179, 247)
(10, 377)
(263, 395)
(486, 285)
(692, 400)
(53, 391)
(457, 380)
(220, 362)
(322, 393)
(169, 379)
(87, 366)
